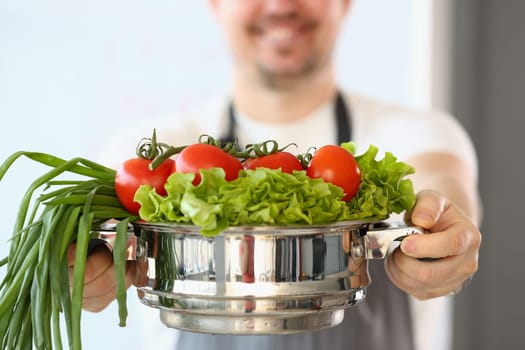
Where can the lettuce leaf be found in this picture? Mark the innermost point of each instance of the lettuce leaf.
(383, 189)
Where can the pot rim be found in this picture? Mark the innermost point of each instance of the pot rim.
(296, 229)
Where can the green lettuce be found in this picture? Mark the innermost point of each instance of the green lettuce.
(271, 197)
(383, 189)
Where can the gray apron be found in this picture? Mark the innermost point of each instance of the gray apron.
(381, 322)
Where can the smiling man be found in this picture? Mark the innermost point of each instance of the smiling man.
(285, 89)
(281, 50)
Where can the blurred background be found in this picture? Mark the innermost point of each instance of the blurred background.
(72, 73)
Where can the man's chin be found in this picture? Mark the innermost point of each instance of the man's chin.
(281, 81)
(284, 77)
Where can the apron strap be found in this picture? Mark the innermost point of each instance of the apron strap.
(342, 116)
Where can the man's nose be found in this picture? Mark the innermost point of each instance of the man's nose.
(281, 7)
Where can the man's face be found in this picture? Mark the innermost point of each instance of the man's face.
(281, 40)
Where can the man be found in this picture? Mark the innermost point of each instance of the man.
(284, 88)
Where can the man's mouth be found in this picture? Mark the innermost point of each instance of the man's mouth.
(282, 34)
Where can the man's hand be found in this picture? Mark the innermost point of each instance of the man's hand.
(452, 238)
(100, 283)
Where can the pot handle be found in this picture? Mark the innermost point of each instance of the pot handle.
(380, 236)
(106, 234)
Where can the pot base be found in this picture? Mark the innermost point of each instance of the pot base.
(258, 325)
(255, 316)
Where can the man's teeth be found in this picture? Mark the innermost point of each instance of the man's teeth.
(279, 34)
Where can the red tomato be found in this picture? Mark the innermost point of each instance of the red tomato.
(203, 156)
(336, 165)
(135, 172)
(285, 161)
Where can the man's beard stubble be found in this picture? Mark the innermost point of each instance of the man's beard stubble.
(285, 81)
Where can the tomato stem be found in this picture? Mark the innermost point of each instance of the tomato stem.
(263, 149)
(306, 157)
(150, 148)
(166, 153)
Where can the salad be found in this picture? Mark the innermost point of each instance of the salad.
(276, 188)
(208, 184)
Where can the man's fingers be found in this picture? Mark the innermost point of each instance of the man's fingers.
(98, 262)
(100, 286)
(99, 293)
(452, 242)
(423, 279)
(428, 209)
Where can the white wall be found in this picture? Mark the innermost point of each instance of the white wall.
(71, 73)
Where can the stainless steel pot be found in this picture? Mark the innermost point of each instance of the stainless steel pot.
(257, 280)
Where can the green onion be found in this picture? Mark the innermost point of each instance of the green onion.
(54, 213)
(119, 254)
